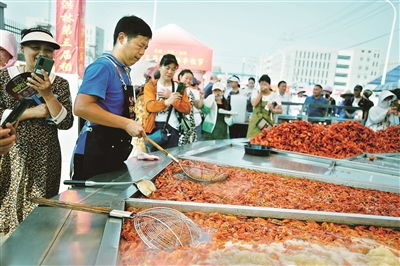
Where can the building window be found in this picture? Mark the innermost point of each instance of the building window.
(361, 58)
(339, 83)
(369, 51)
(345, 57)
(358, 76)
(362, 51)
(366, 68)
(342, 66)
(342, 75)
(359, 67)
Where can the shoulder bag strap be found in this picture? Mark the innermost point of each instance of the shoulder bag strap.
(170, 108)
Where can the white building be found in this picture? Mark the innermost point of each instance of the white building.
(342, 69)
(357, 66)
(94, 38)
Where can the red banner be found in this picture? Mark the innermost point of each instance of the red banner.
(70, 34)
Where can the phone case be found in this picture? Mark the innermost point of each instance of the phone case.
(43, 63)
(181, 87)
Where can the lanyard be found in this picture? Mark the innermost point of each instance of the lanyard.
(129, 92)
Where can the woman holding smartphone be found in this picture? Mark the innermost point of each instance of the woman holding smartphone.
(159, 96)
(32, 167)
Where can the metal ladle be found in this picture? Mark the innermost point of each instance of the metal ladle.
(146, 187)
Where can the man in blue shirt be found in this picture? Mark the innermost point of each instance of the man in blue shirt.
(106, 100)
(316, 98)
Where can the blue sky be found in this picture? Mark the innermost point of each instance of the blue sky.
(247, 29)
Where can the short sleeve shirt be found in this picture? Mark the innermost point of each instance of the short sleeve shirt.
(101, 79)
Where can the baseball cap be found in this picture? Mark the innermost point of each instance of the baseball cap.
(234, 78)
(328, 89)
(218, 86)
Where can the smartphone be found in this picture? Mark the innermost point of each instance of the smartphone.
(181, 87)
(43, 63)
(16, 113)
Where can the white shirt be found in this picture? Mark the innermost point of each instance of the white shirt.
(162, 116)
(296, 109)
(284, 98)
(196, 112)
(270, 98)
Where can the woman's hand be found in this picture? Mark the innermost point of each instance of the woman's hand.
(164, 94)
(43, 86)
(174, 97)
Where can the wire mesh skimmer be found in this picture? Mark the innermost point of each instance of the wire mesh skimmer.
(159, 228)
(193, 172)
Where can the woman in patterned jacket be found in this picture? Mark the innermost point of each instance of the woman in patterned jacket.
(32, 167)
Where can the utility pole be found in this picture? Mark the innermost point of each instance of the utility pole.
(383, 79)
(2, 7)
(153, 24)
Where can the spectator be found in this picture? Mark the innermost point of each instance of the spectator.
(328, 92)
(283, 96)
(238, 104)
(105, 101)
(215, 125)
(382, 116)
(365, 103)
(161, 94)
(8, 49)
(250, 87)
(7, 138)
(316, 99)
(233, 86)
(197, 105)
(358, 114)
(32, 167)
(265, 103)
(298, 98)
(188, 134)
(347, 102)
(208, 88)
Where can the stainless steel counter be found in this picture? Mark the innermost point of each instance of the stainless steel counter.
(52, 236)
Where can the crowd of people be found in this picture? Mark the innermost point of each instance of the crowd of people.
(171, 113)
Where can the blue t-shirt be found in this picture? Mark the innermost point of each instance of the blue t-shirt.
(101, 79)
(316, 111)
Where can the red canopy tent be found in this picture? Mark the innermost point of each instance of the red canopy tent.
(190, 52)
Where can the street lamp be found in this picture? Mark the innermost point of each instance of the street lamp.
(390, 42)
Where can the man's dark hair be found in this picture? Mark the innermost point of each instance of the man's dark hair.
(280, 82)
(265, 78)
(253, 79)
(358, 88)
(317, 85)
(132, 26)
(168, 59)
(183, 72)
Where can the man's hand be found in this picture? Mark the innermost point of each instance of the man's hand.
(7, 138)
(135, 129)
